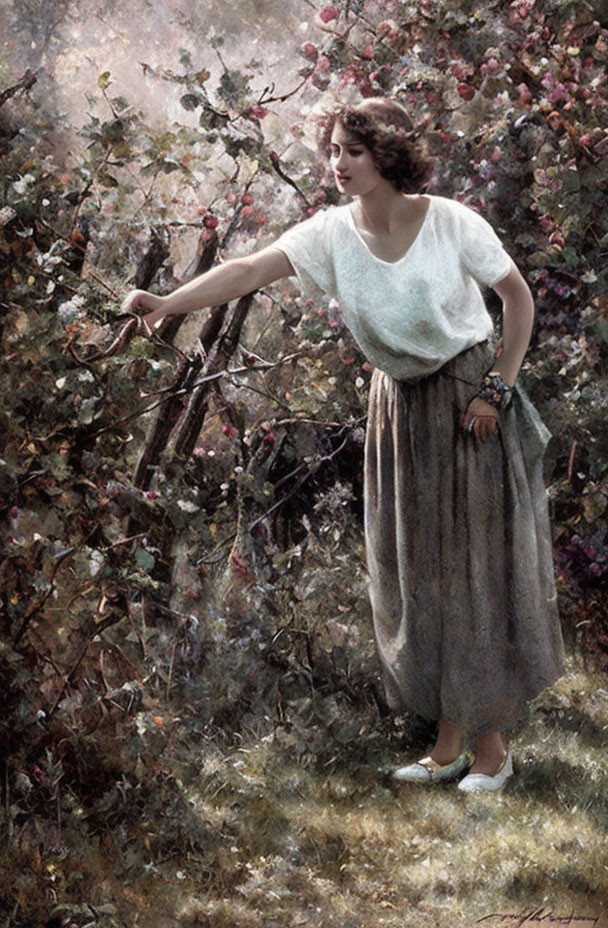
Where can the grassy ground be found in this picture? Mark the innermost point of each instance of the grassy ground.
(335, 843)
(269, 833)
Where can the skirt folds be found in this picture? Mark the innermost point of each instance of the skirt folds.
(459, 550)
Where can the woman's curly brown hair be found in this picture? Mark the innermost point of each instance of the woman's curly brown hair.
(385, 128)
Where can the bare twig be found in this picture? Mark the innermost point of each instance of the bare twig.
(276, 164)
(264, 393)
(27, 81)
(169, 392)
(130, 328)
(571, 460)
(91, 273)
(112, 619)
(112, 646)
(47, 595)
(212, 555)
(171, 665)
(280, 98)
(123, 541)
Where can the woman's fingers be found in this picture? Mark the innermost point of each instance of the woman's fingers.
(132, 301)
(140, 301)
(148, 307)
(480, 418)
(484, 427)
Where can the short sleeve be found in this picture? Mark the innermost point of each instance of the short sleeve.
(308, 247)
(482, 252)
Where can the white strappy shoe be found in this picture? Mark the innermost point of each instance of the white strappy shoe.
(428, 770)
(480, 782)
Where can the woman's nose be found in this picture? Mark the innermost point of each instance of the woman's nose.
(340, 161)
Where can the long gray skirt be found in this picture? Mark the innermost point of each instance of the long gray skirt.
(459, 550)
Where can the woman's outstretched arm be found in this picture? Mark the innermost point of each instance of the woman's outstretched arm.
(221, 284)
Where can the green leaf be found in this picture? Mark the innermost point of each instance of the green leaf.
(144, 559)
(189, 101)
(108, 180)
(168, 165)
(141, 347)
(114, 130)
(104, 80)
(185, 58)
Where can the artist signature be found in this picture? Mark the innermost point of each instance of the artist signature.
(540, 917)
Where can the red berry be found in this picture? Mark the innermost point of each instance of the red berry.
(247, 211)
(310, 50)
(210, 220)
(247, 198)
(466, 91)
(329, 13)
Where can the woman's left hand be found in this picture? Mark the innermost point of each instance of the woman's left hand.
(481, 418)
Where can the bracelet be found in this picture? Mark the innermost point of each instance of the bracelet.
(495, 390)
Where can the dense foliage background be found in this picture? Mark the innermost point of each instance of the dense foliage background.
(182, 568)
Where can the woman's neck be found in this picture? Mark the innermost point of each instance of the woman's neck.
(385, 208)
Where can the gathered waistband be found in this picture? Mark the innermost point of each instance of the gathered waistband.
(474, 361)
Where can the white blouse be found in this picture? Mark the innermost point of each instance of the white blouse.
(412, 315)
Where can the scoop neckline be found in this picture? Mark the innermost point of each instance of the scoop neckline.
(406, 253)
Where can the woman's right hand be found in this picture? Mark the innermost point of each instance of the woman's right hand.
(148, 306)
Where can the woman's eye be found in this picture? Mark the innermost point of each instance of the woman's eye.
(353, 152)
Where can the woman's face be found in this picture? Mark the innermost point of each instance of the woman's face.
(352, 163)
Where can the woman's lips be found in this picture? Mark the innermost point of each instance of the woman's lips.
(343, 178)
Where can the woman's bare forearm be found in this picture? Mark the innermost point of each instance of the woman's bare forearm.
(221, 284)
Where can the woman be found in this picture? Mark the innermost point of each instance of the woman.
(457, 533)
